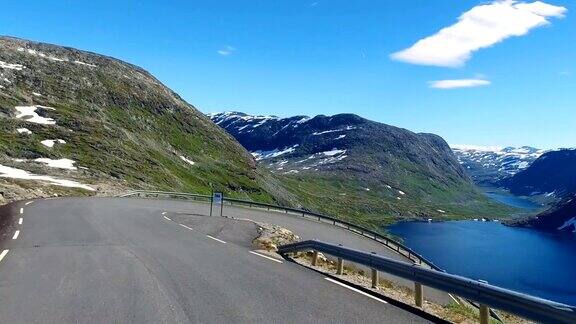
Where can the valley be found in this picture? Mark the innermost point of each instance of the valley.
(361, 170)
(79, 123)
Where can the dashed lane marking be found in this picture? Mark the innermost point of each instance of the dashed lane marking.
(190, 228)
(20, 220)
(21, 210)
(16, 234)
(3, 254)
(265, 256)
(28, 203)
(355, 290)
(168, 218)
(215, 239)
(163, 213)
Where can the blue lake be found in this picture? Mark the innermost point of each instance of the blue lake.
(511, 200)
(525, 260)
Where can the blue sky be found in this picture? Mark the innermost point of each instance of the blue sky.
(313, 57)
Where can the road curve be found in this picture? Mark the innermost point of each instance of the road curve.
(112, 260)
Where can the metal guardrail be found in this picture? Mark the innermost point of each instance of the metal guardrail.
(390, 243)
(373, 235)
(526, 306)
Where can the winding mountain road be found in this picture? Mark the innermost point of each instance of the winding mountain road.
(119, 260)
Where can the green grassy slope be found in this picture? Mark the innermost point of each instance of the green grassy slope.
(348, 199)
(120, 123)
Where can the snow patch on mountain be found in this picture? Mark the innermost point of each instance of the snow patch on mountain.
(33, 117)
(568, 223)
(14, 173)
(334, 152)
(187, 160)
(50, 143)
(12, 66)
(347, 128)
(24, 131)
(263, 155)
(59, 164)
(40, 54)
(488, 164)
(86, 64)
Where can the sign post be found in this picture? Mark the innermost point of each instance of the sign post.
(211, 200)
(217, 198)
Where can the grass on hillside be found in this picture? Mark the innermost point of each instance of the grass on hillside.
(350, 200)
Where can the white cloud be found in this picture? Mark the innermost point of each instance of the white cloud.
(459, 83)
(480, 27)
(226, 50)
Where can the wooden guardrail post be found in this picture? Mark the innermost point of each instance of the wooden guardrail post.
(340, 267)
(418, 294)
(484, 310)
(484, 314)
(374, 278)
(315, 258)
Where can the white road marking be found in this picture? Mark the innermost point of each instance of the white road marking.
(28, 203)
(21, 210)
(215, 239)
(190, 228)
(163, 213)
(168, 218)
(265, 256)
(16, 234)
(20, 220)
(3, 254)
(356, 290)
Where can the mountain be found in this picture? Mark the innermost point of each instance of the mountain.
(560, 217)
(74, 122)
(489, 165)
(552, 174)
(349, 165)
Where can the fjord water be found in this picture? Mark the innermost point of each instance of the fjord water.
(511, 200)
(529, 261)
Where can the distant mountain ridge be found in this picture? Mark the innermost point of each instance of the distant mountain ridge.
(489, 165)
(553, 173)
(345, 158)
(300, 143)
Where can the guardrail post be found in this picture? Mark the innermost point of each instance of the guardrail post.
(340, 267)
(418, 294)
(374, 278)
(315, 258)
(484, 310)
(484, 314)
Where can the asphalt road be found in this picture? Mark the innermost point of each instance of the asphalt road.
(112, 260)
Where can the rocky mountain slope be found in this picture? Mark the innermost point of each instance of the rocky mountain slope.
(79, 122)
(489, 165)
(346, 164)
(553, 177)
(560, 217)
(552, 174)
